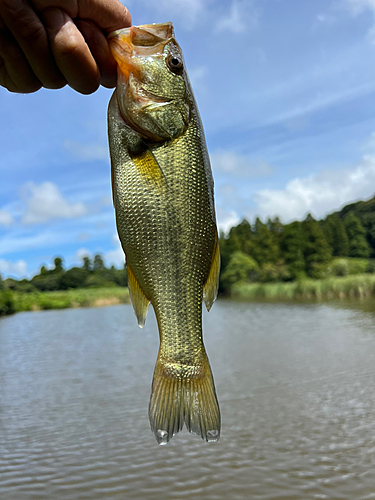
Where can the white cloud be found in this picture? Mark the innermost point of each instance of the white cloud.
(189, 11)
(359, 6)
(87, 152)
(242, 16)
(320, 193)
(81, 253)
(6, 218)
(226, 219)
(197, 77)
(115, 257)
(17, 269)
(45, 201)
(230, 162)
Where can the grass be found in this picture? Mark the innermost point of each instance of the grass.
(80, 297)
(361, 285)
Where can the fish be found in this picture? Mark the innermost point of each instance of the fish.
(163, 195)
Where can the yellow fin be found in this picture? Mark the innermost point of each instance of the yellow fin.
(211, 286)
(139, 300)
(149, 168)
(177, 400)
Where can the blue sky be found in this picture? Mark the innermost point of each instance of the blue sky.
(286, 90)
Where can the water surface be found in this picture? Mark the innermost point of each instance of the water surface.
(295, 384)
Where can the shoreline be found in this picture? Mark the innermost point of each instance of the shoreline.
(346, 287)
(63, 299)
(308, 290)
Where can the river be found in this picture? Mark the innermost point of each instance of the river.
(295, 382)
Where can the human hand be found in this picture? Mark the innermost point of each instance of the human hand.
(51, 43)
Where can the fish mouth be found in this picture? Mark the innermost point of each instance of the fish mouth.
(148, 39)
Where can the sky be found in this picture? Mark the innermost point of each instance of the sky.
(286, 91)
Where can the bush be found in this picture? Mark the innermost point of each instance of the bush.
(338, 267)
(240, 267)
(7, 305)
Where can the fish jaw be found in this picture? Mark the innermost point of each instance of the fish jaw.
(121, 48)
(129, 43)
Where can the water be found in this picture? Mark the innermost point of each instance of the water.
(295, 383)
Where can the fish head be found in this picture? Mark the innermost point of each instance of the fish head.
(152, 82)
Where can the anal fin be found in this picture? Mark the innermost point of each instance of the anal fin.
(211, 286)
(138, 299)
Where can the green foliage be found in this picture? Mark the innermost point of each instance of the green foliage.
(358, 245)
(274, 272)
(317, 252)
(338, 267)
(23, 286)
(265, 248)
(292, 245)
(74, 278)
(98, 263)
(58, 265)
(240, 267)
(362, 285)
(79, 297)
(7, 305)
(87, 264)
(336, 236)
(365, 212)
(48, 281)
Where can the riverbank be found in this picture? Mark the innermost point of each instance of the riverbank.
(11, 302)
(356, 286)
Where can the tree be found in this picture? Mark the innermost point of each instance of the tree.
(243, 234)
(58, 265)
(265, 248)
(358, 246)
(317, 252)
(292, 247)
(335, 233)
(87, 264)
(98, 263)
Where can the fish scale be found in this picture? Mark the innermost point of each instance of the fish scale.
(163, 198)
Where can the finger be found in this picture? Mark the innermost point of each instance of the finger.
(31, 36)
(99, 48)
(71, 52)
(16, 74)
(109, 15)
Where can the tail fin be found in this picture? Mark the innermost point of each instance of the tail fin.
(178, 400)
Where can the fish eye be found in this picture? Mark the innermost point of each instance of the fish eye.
(175, 64)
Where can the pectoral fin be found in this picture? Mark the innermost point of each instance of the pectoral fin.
(139, 300)
(148, 168)
(211, 286)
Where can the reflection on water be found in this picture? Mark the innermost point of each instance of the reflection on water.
(295, 383)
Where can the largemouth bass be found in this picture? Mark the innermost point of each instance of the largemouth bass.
(164, 203)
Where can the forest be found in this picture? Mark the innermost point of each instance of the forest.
(342, 244)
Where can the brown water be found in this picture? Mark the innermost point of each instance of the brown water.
(295, 382)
